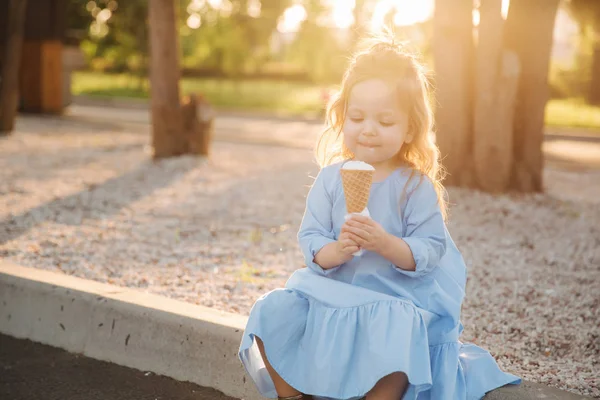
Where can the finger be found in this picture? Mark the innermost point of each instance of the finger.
(360, 241)
(352, 242)
(360, 223)
(356, 228)
(370, 224)
(344, 239)
(347, 241)
(352, 249)
(359, 232)
(345, 234)
(344, 228)
(346, 225)
(360, 219)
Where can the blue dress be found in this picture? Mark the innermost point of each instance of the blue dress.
(334, 333)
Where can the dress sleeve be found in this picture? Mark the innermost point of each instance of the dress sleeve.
(316, 229)
(425, 232)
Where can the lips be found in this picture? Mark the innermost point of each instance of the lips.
(369, 145)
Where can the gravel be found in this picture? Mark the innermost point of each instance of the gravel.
(86, 200)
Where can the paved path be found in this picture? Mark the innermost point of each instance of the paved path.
(286, 132)
(31, 371)
(562, 149)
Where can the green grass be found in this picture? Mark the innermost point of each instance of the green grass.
(288, 97)
(258, 95)
(572, 113)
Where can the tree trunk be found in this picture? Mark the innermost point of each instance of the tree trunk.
(3, 32)
(167, 126)
(531, 40)
(495, 89)
(9, 76)
(594, 93)
(453, 53)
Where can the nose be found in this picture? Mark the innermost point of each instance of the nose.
(369, 129)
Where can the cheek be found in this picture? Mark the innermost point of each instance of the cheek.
(395, 137)
(351, 131)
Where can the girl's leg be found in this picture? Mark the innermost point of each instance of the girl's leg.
(391, 387)
(281, 386)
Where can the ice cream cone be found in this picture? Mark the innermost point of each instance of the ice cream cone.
(357, 178)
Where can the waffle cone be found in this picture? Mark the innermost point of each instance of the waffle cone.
(357, 187)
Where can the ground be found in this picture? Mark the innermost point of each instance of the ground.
(32, 371)
(84, 198)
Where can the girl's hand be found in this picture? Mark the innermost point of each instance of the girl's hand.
(365, 232)
(346, 246)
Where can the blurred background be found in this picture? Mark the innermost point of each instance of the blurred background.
(284, 55)
(166, 146)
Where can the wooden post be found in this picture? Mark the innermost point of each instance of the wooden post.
(41, 78)
(167, 126)
(531, 40)
(453, 53)
(496, 80)
(9, 72)
(594, 90)
(198, 117)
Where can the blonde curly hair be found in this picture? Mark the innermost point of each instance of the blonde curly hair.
(383, 58)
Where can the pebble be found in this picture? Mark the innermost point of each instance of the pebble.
(222, 232)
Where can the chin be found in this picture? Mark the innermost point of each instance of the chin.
(369, 160)
(368, 153)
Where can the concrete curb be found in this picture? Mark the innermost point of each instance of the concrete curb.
(125, 327)
(148, 332)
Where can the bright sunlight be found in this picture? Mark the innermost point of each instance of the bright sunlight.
(406, 12)
(403, 12)
(292, 18)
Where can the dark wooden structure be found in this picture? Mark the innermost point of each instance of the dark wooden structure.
(36, 85)
(13, 21)
(41, 75)
(40, 72)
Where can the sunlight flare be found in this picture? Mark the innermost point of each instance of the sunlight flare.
(292, 19)
(342, 13)
(403, 12)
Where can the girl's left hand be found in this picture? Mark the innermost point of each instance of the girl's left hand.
(367, 233)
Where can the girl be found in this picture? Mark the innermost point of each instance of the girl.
(385, 324)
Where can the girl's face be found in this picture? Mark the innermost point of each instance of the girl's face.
(375, 128)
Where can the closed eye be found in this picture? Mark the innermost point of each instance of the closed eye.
(356, 119)
(387, 124)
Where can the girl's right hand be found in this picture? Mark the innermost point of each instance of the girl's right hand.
(346, 246)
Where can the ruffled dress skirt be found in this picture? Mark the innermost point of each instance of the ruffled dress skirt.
(334, 340)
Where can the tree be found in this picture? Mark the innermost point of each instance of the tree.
(531, 40)
(9, 74)
(167, 124)
(232, 39)
(496, 81)
(492, 92)
(315, 48)
(453, 55)
(587, 14)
